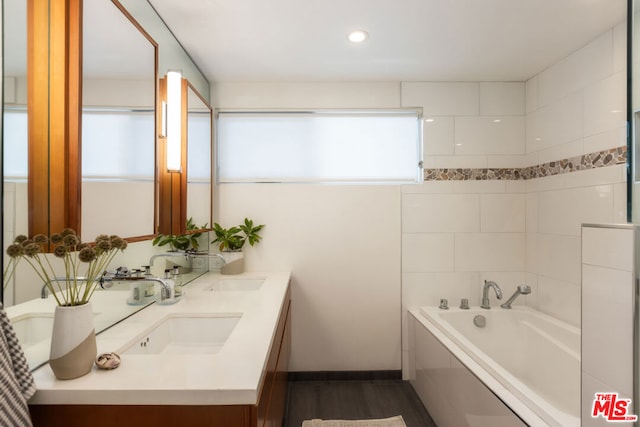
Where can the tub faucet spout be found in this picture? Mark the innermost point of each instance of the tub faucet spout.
(485, 293)
(520, 290)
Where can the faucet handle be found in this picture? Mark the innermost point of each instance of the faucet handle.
(444, 304)
(464, 304)
(147, 270)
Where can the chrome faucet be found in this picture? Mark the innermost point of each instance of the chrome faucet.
(166, 290)
(485, 293)
(520, 290)
(224, 261)
(44, 292)
(168, 254)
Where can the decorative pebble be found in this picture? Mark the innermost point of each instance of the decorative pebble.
(108, 361)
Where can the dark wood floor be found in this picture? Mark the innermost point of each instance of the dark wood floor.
(353, 400)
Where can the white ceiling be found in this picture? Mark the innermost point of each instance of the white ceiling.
(410, 40)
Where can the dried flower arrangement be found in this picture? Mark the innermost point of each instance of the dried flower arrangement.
(70, 289)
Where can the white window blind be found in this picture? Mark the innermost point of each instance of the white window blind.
(319, 146)
(16, 146)
(118, 145)
(199, 147)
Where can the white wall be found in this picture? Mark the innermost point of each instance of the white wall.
(341, 242)
(456, 234)
(574, 107)
(608, 258)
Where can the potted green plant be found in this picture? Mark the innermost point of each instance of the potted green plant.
(73, 340)
(183, 242)
(231, 240)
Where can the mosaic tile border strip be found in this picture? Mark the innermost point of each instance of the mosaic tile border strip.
(599, 159)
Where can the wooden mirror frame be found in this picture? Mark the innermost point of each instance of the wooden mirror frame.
(54, 67)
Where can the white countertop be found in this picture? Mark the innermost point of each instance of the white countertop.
(231, 376)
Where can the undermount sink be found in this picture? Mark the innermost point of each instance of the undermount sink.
(240, 284)
(33, 328)
(186, 334)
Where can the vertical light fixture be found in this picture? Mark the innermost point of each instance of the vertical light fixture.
(174, 121)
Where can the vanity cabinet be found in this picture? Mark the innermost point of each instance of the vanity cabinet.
(267, 412)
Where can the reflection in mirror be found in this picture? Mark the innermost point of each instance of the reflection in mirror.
(118, 124)
(199, 136)
(23, 301)
(14, 137)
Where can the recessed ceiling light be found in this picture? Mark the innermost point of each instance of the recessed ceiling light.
(358, 36)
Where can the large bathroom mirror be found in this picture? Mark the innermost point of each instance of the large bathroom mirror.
(118, 124)
(124, 68)
(14, 126)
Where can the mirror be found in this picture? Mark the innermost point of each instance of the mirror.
(199, 140)
(22, 296)
(14, 129)
(118, 124)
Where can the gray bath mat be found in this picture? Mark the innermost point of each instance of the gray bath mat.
(386, 422)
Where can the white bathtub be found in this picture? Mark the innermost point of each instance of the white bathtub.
(534, 356)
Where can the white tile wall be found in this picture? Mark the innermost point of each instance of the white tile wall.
(607, 301)
(587, 65)
(490, 251)
(556, 123)
(454, 240)
(438, 136)
(503, 213)
(465, 123)
(424, 252)
(440, 213)
(531, 94)
(442, 99)
(489, 135)
(608, 258)
(563, 211)
(559, 257)
(502, 99)
(605, 105)
(620, 47)
(558, 299)
(607, 247)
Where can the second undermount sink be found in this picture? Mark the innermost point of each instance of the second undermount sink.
(186, 334)
(239, 284)
(33, 328)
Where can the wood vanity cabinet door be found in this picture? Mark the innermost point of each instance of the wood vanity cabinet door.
(141, 415)
(278, 401)
(270, 408)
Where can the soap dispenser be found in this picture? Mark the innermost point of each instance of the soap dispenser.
(177, 281)
(147, 287)
(170, 284)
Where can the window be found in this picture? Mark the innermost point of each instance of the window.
(115, 145)
(16, 145)
(321, 146)
(118, 145)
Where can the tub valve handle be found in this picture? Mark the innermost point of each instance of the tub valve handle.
(444, 304)
(464, 304)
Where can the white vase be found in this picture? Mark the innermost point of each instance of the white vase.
(73, 342)
(233, 262)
